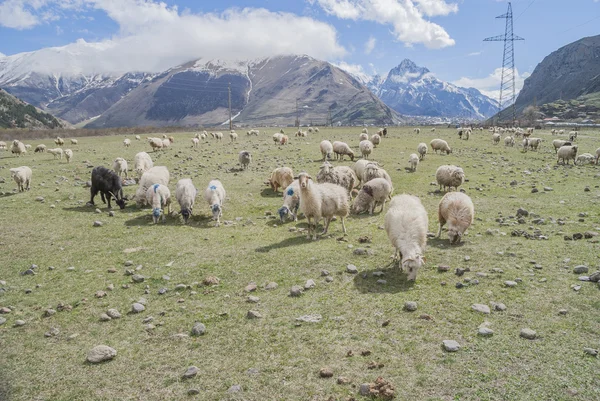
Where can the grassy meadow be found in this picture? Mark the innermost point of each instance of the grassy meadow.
(276, 357)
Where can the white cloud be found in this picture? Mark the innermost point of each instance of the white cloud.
(490, 85)
(370, 45)
(2, 55)
(356, 70)
(474, 54)
(13, 14)
(405, 16)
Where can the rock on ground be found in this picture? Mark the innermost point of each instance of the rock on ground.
(101, 353)
(451, 345)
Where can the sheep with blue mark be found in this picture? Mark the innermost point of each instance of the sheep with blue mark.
(158, 197)
(215, 194)
(291, 202)
(185, 193)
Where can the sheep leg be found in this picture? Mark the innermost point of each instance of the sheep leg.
(343, 219)
(327, 221)
(309, 226)
(382, 206)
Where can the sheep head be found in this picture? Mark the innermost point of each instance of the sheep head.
(283, 212)
(186, 214)
(326, 168)
(216, 211)
(303, 179)
(156, 214)
(454, 236)
(411, 265)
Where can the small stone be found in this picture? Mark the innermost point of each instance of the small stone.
(211, 280)
(191, 372)
(138, 278)
(326, 372)
(49, 312)
(198, 330)
(595, 277)
(252, 314)
(351, 269)
(100, 294)
(522, 212)
(180, 287)
(2, 321)
(443, 268)
(562, 312)
(580, 269)
(271, 286)
(410, 306)
(105, 318)
(329, 279)
(310, 283)
(236, 388)
(137, 308)
(250, 287)
(19, 323)
(343, 380)
(97, 211)
(467, 258)
(111, 214)
(365, 389)
(481, 308)
(310, 318)
(101, 353)
(97, 223)
(5, 310)
(590, 351)
(325, 273)
(110, 287)
(548, 189)
(500, 307)
(485, 332)
(459, 272)
(381, 282)
(71, 268)
(296, 291)
(528, 334)
(113, 313)
(193, 391)
(535, 190)
(451, 345)
(577, 236)
(510, 283)
(128, 263)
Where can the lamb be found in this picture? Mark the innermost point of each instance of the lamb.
(406, 224)
(142, 163)
(373, 193)
(340, 175)
(322, 201)
(372, 171)
(195, 142)
(413, 160)
(59, 141)
(496, 139)
(509, 141)
(558, 143)
(291, 202)
(244, 158)
(254, 132)
(233, 136)
(534, 143)
(22, 176)
(56, 152)
(283, 140)
(126, 142)
(366, 147)
(185, 193)
(68, 155)
(363, 137)
(137, 138)
(441, 145)
(74, 141)
(155, 175)
(281, 177)
(158, 196)
(375, 139)
(277, 137)
(585, 158)
(422, 150)
(458, 211)
(120, 166)
(341, 149)
(18, 148)
(326, 149)
(40, 148)
(448, 176)
(566, 153)
(108, 183)
(155, 143)
(215, 194)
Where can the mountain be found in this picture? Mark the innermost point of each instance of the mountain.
(15, 113)
(567, 73)
(413, 90)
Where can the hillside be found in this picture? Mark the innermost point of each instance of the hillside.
(15, 113)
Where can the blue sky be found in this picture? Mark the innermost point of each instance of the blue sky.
(445, 36)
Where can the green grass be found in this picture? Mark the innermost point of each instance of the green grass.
(257, 248)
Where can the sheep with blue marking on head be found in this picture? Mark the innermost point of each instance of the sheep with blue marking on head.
(215, 194)
(158, 197)
(291, 202)
(185, 193)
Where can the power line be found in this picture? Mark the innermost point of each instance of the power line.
(523, 12)
(585, 23)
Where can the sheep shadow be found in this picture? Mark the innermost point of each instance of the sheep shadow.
(267, 192)
(395, 280)
(443, 243)
(7, 194)
(292, 241)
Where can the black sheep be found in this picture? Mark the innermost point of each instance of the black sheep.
(108, 183)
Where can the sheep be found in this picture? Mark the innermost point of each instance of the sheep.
(322, 201)
(366, 147)
(365, 131)
(120, 166)
(164, 136)
(372, 171)
(126, 142)
(561, 131)
(277, 137)
(40, 148)
(27, 147)
(572, 136)
(185, 193)
(363, 137)
(166, 143)
(59, 141)
(281, 131)
(108, 183)
(158, 197)
(458, 211)
(566, 153)
(171, 139)
(441, 145)
(155, 143)
(244, 158)
(585, 158)
(18, 148)
(534, 143)
(142, 163)
(340, 149)
(509, 141)
(496, 139)
(195, 142)
(291, 202)
(375, 139)
(155, 175)
(373, 193)
(359, 169)
(254, 132)
(218, 136)
(137, 138)
(317, 129)
(340, 175)
(466, 135)
(281, 177)
(22, 176)
(233, 136)
(413, 160)
(530, 130)
(310, 129)
(215, 194)
(406, 225)
(56, 152)
(558, 143)
(326, 149)
(383, 132)
(417, 130)
(597, 155)
(432, 130)
(74, 141)
(2, 145)
(422, 150)
(68, 155)
(448, 176)
(283, 140)
(301, 133)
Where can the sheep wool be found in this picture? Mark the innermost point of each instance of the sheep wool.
(342, 149)
(372, 194)
(155, 175)
(245, 158)
(22, 176)
(326, 149)
(56, 152)
(19, 148)
(448, 176)
(359, 169)
(566, 153)
(215, 195)
(281, 177)
(441, 145)
(291, 202)
(413, 160)
(158, 197)
(40, 148)
(341, 175)
(142, 163)
(120, 166)
(363, 137)
(375, 139)
(422, 150)
(185, 193)
(458, 211)
(366, 147)
(69, 155)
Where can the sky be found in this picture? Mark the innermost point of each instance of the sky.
(367, 36)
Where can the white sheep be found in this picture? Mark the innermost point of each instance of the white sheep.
(218, 136)
(365, 131)
(244, 157)
(155, 143)
(59, 141)
(496, 139)
(310, 129)
(413, 160)
(417, 130)
(359, 169)
(74, 141)
(158, 197)
(18, 148)
(373, 193)
(281, 177)
(119, 166)
(558, 143)
(291, 201)
(458, 211)
(322, 201)
(509, 141)
(56, 152)
(363, 137)
(164, 136)
(195, 142)
(126, 142)
(585, 158)
(373, 170)
(277, 137)
(40, 148)
(326, 149)
(406, 224)
(366, 147)
(2, 145)
(448, 176)
(597, 155)
(466, 135)
(27, 146)
(561, 132)
(432, 130)
(573, 136)
(137, 138)
(185, 193)
(341, 149)
(166, 143)
(534, 143)
(375, 139)
(233, 136)
(283, 140)
(69, 155)
(441, 145)
(341, 175)
(422, 150)
(155, 175)
(22, 176)
(215, 195)
(142, 163)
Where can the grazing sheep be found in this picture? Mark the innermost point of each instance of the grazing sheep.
(373, 170)
(108, 183)
(68, 155)
(281, 131)
(158, 196)
(496, 139)
(413, 160)
(254, 132)
(363, 137)
(322, 201)
(365, 131)
(561, 132)
(281, 177)
(218, 136)
(155, 143)
(166, 143)
(340, 175)
(142, 163)
(566, 153)
(509, 141)
(22, 176)
(164, 136)
(375, 139)
(432, 130)
(373, 193)
(233, 136)
(244, 158)
(406, 224)
(572, 136)
(137, 138)
(171, 139)
(366, 147)
(185, 193)
(466, 135)
(18, 148)
(316, 129)
(155, 175)
(195, 142)
(458, 211)
(291, 202)
(310, 129)
(422, 150)
(283, 140)
(534, 143)
(74, 141)
(383, 132)
(2, 145)
(448, 176)
(59, 141)
(277, 137)
(359, 169)
(525, 144)
(326, 149)
(597, 155)
(585, 158)
(441, 145)
(340, 149)
(56, 152)
(215, 194)
(558, 143)
(27, 146)
(301, 133)
(126, 142)
(40, 149)
(417, 130)
(120, 166)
